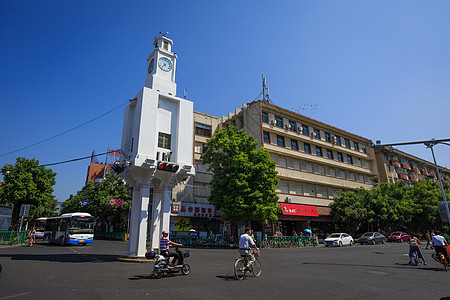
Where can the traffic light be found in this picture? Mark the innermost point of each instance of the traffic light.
(170, 167)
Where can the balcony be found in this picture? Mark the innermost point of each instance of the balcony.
(406, 166)
(424, 172)
(403, 176)
(394, 163)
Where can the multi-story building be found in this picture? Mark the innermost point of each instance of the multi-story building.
(394, 165)
(314, 161)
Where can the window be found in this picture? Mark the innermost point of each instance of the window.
(294, 145)
(305, 130)
(278, 121)
(340, 157)
(355, 146)
(330, 154)
(347, 143)
(202, 129)
(317, 133)
(266, 137)
(327, 137)
(292, 126)
(338, 140)
(350, 159)
(280, 140)
(307, 148)
(265, 117)
(318, 151)
(164, 140)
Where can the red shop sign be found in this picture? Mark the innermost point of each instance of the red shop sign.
(299, 210)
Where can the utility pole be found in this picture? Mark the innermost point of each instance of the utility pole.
(429, 144)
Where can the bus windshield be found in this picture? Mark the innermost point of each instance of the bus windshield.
(82, 225)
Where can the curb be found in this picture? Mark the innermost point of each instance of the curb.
(135, 259)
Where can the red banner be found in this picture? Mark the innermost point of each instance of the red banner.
(299, 210)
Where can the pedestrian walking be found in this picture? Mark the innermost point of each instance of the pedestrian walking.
(32, 236)
(428, 235)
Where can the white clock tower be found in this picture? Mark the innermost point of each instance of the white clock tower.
(156, 150)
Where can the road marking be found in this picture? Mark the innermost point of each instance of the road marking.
(15, 296)
(377, 272)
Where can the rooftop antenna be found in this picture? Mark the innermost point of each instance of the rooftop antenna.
(164, 34)
(265, 90)
(185, 93)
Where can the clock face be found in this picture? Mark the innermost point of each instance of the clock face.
(151, 65)
(165, 64)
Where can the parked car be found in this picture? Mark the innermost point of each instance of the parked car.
(372, 238)
(338, 239)
(399, 236)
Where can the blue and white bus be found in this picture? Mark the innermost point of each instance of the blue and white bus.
(73, 228)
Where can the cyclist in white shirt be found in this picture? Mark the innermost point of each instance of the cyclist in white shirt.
(439, 242)
(245, 243)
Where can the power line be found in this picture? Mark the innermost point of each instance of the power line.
(64, 162)
(67, 131)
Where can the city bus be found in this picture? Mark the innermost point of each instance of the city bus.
(39, 226)
(72, 228)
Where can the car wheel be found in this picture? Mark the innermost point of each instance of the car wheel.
(340, 244)
(361, 243)
(401, 240)
(383, 241)
(351, 243)
(326, 245)
(373, 242)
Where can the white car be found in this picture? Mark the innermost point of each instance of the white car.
(338, 239)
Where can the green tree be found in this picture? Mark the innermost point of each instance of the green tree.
(244, 179)
(28, 183)
(390, 205)
(97, 197)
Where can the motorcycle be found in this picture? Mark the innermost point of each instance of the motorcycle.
(163, 267)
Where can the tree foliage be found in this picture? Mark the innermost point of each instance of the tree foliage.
(97, 197)
(244, 177)
(389, 206)
(28, 183)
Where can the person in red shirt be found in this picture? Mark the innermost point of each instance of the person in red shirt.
(414, 243)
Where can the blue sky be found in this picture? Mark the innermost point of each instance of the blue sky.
(379, 69)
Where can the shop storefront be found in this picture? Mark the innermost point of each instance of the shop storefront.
(187, 216)
(295, 218)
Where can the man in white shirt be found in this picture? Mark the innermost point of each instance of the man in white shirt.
(245, 242)
(439, 242)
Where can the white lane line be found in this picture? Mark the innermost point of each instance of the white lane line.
(15, 296)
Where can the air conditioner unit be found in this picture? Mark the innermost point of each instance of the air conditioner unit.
(299, 128)
(287, 126)
(288, 200)
(273, 122)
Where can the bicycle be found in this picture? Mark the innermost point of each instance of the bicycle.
(441, 259)
(240, 266)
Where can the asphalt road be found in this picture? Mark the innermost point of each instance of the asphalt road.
(92, 272)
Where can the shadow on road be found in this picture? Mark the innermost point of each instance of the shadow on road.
(64, 258)
(397, 266)
(140, 277)
(226, 278)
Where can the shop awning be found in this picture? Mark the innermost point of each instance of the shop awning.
(299, 210)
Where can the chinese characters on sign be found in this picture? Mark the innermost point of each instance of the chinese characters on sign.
(193, 210)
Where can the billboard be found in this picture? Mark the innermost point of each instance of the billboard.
(443, 212)
(5, 217)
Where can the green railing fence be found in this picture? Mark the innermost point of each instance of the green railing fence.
(111, 235)
(12, 237)
(231, 241)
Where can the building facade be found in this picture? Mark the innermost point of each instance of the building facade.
(314, 162)
(394, 165)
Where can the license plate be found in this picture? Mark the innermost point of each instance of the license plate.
(81, 241)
